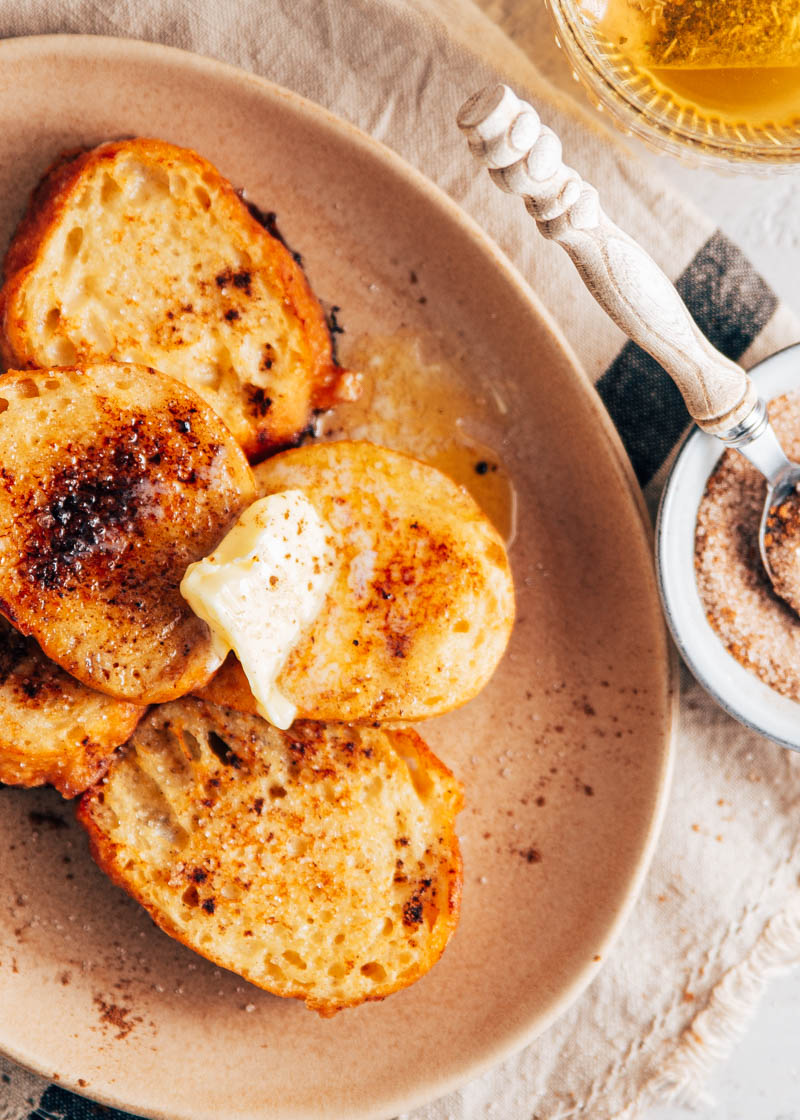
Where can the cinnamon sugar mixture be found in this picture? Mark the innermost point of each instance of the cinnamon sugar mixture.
(757, 627)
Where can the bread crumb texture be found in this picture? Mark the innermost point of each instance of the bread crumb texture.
(422, 602)
(54, 729)
(113, 479)
(141, 252)
(320, 863)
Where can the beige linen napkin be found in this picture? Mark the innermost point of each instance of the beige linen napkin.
(720, 911)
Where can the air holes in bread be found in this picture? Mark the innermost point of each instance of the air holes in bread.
(73, 243)
(27, 389)
(177, 185)
(315, 913)
(62, 352)
(190, 896)
(167, 234)
(221, 749)
(110, 191)
(148, 183)
(190, 744)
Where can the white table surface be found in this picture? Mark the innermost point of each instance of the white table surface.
(761, 1078)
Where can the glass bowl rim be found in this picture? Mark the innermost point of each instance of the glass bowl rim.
(635, 117)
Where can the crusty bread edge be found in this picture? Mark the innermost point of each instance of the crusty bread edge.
(70, 772)
(180, 687)
(104, 852)
(47, 201)
(234, 684)
(50, 198)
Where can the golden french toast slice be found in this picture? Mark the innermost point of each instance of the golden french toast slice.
(141, 252)
(112, 479)
(422, 602)
(320, 863)
(53, 729)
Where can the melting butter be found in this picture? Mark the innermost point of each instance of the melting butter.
(261, 587)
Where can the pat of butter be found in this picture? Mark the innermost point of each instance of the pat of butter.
(261, 587)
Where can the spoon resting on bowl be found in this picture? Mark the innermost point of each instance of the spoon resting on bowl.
(524, 158)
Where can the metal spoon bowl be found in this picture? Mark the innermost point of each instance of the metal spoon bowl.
(779, 536)
(777, 544)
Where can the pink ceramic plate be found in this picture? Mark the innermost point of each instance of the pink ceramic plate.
(564, 756)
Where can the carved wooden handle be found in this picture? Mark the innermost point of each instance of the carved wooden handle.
(524, 158)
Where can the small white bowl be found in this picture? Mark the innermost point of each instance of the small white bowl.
(742, 694)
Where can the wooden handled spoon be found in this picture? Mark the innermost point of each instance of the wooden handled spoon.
(524, 158)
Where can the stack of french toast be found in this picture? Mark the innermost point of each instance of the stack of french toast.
(166, 359)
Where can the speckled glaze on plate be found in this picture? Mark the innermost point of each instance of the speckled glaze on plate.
(565, 756)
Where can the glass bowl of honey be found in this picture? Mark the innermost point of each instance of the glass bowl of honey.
(709, 79)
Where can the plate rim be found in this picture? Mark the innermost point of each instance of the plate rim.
(101, 46)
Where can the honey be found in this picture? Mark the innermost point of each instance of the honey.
(425, 409)
(734, 63)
